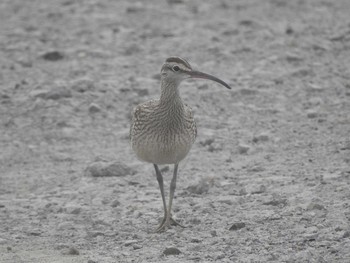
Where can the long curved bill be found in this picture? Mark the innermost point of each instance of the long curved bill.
(202, 75)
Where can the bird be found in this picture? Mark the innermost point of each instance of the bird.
(163, 130)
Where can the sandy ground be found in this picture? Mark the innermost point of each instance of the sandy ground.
(266, 180)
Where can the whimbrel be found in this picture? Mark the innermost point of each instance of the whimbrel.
(163, 130)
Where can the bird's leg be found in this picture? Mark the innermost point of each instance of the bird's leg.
(168, 220)
(161, 187)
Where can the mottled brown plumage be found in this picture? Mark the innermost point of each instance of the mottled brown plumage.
(163, 130)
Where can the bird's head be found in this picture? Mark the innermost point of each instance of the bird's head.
(176, 69)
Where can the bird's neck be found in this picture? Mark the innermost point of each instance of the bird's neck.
(170, 96)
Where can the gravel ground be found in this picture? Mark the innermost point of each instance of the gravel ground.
(268, 177)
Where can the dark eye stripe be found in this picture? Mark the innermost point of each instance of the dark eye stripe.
(180, 61)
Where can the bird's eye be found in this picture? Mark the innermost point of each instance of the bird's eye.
(176, 68)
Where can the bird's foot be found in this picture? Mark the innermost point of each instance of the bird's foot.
(166, 223)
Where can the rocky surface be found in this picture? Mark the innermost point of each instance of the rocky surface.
(268, 178)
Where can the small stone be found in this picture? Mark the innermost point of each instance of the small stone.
(201, 187)
(156, 76)
(83, 85)
(136, 246)
(96, 234)
(207, 142)
(115, 203)
(165, 169)
(65, 226)
(57, 93)
(35, 233)
(312, 114)
(106, 169)
(130, 242)
(73, 210)
(315, 206)
(237, 226)
(277, 202)
(174, 2)
(314, 87)
(142, 92)
(132, 49)
(346, 234)
(196, 240)
(136, 8)
(203, 87)
(213, 233)
(215, 147)
(94, 108)
(243, 149)
(71, 251)
(261, 138)
(3, 241)
(171, 251)
(53, 56)
(289, 30)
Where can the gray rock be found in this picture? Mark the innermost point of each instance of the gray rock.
(201, 187)
(83, 85)
(52, 56)
(237, 226)
(315, 206)
(94, 108)
(74, 210)
(57, 93)
(243, 149)
(71, 251)
(277, 202)
(136, 246)
(263, 137)
(115, 203)
(102, 169)
(171, 251)
(130, 242)
(312, 114)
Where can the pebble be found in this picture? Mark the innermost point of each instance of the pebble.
(215, 147)
(315, 206)
(74, 210)
(106, 169)
(3, 241)
(260, 190)
(94, 108)
(261, 138)
(346, 234)
(237, 226)
(71, 251)
(136, 246)
(207, 142)
(243, 149)
(83, 85)
(115, 203)
(312, 114)
(171, 251)
(201, 187)
(53, 56)
(314, 87)
(56, 93)
(142, 92)
(130, 242)
(277, 202)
